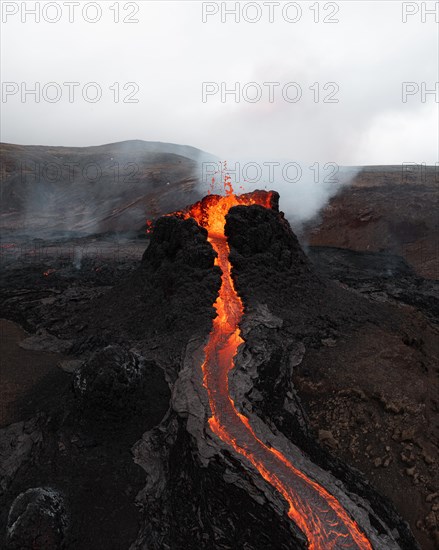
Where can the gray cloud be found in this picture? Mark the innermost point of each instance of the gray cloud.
(170, 52)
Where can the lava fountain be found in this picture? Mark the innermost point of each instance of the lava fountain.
(319, 515)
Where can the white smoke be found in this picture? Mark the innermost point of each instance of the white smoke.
(305, 188)
(77, 258)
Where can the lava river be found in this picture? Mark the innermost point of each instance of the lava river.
(317, 513)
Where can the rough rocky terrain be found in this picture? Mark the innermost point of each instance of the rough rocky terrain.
(391, 209)
(320, 354)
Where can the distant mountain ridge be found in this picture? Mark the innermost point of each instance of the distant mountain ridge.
(112, 187)
(385, 209)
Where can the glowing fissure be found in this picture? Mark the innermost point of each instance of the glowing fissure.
(316, 512)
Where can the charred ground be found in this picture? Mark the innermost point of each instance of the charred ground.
(152, 309)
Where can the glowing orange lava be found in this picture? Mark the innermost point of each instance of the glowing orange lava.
(317, 513)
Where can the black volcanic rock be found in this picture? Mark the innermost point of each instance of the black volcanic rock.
(188, 505)
(219, 514)
(271, 270)
(171, 293)
(191, 490)
(166, 304)
(379, 275)
(38, 520)
(178, 243)
(114, 384)
(270, 267)
(266, 256)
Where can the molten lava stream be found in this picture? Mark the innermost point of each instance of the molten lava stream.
(318, 514)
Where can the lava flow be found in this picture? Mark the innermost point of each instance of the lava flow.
(317, 513)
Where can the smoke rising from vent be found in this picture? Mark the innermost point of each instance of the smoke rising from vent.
(304, 187)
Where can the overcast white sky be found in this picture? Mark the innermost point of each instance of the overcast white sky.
(170, 52)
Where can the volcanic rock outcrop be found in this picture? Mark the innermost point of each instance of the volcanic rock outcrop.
(196, 489)
(37, 519)
(391, 209)
(287, 307)
(113, 384)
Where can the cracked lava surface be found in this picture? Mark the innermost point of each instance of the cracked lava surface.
(319, 515)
